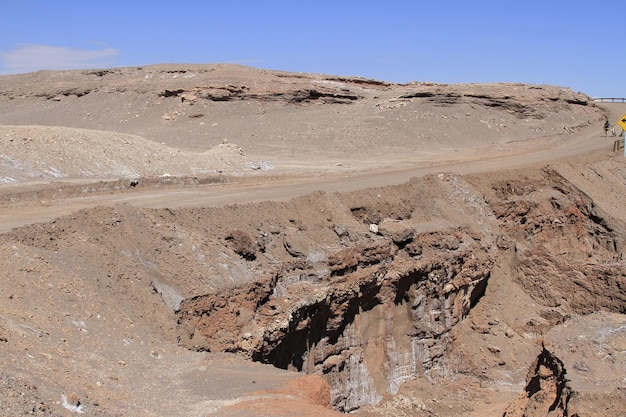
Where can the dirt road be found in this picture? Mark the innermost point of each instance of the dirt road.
(91, 304)
(585, 143)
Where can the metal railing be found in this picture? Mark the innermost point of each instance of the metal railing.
(610, 99)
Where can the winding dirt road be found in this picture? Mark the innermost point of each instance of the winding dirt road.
(587, 143)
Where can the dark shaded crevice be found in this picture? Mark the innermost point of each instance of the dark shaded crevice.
(557, 372)
(420, 94)
(400, 245)
(291, 350)
(312, 95)
(171, 93)
(403, 286)
(479, 291)
(313, 323)
(577, 102)
(484, 96)
(444, 100)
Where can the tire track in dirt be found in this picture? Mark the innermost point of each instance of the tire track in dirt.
(537, 151)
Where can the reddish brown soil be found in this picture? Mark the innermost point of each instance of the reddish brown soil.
(162, 226)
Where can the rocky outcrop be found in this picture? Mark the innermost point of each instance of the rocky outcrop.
(309, 285)
(374, 294)
(568, 251)
(378, 312)
(546, 392)
(231, 92)
(379, 317)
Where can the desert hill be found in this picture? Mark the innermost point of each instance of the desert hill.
(275, 115)
(184, 240)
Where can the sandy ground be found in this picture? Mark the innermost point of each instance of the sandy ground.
(185, 137)
(298, 178)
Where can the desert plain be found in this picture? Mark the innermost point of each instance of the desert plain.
(199, 240)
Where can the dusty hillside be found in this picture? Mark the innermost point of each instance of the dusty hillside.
(295, 120)
(192, 240)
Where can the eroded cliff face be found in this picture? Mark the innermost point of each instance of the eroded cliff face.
(366, 289)
(569, 255)
(379, 316)
(372, 312)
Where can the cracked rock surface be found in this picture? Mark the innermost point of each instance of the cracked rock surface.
(222, 240)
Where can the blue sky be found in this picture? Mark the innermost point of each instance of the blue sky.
(577, 43)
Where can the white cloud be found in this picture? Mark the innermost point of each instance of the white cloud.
(29, 58)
